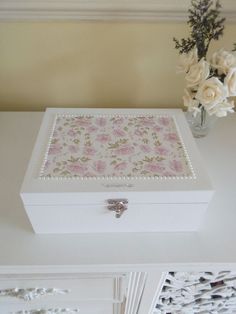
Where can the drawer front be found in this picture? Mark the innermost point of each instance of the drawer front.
(69, 308)
(116, 293)
(136, 218)
(53, 290)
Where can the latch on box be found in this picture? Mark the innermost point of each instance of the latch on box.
(118, 205)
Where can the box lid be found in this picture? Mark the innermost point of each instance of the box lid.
(86, 155)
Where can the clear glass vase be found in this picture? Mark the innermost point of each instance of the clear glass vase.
(200, 123)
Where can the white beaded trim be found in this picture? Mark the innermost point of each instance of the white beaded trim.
(186, 155)
(41, 172)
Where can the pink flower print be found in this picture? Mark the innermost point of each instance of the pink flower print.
(99, 166)
(73, 149)
(154, 168)
(120, 166)
(89, 151)
(101, 122)
(118, 132)
(176, 165)
(47, 165)
(103, 138)
(92, 129)
(157, 128)
(89, 174)
(118, 120)
(77, 168)
(167, 174)
(72, 132)
(146, 121)
(171, 137)
(164, 121)
(83, 121)
(125, 149)
(54, 149)
(138, 132)
(145, 148)
(161, 150)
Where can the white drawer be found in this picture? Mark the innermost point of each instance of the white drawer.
(81, 307)
(53, 289)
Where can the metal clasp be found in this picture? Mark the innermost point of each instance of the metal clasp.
(118, 205)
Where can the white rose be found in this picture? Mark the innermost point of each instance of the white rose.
(190, 102)
(211, 92)
(230, 82)
(223, 60)
(197, 73)
(187, 60)
(221, 109)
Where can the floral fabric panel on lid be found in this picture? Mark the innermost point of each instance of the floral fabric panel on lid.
(126, 146)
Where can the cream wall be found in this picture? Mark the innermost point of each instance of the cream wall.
(92, 64)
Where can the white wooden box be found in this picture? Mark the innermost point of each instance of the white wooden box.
(115, 170)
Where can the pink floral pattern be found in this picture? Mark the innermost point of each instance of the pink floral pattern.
(115, 146)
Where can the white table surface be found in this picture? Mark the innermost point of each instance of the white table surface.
(213, 245)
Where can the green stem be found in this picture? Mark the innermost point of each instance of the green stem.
(203, 116)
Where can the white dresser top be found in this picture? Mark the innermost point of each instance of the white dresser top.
(20, 246)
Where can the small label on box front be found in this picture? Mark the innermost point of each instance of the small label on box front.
(118, 185)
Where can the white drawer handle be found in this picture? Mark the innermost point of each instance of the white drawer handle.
(31, 293)
(49, 311)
